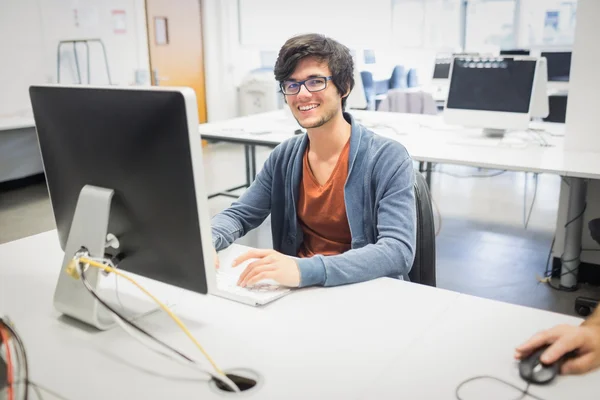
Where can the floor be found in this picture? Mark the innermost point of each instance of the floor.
(483, 247)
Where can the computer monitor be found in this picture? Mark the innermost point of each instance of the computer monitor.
(559, 65)
(125, 162)
(493, 93)
(514, 52)
(441, 70)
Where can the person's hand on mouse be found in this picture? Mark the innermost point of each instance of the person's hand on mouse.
(584, 339)
(270, 264)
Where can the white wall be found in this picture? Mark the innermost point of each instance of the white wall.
(269, 23)
(31, 29)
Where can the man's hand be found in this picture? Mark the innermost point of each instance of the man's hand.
(562, 340)
(270, 265)
(216, 258)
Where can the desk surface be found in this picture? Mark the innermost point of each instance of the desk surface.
(16, 122)
(428, 138)
(314, 343)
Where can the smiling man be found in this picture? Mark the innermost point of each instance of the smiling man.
(341, 198)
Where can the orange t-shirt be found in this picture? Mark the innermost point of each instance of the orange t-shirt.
(322, 211)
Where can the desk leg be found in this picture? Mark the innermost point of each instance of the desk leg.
(247, 157)
(573, 231)
(428, 175)
(250, 160)
(252, 164)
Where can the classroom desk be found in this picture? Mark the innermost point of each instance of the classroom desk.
(16, 122)
(320, 343)
(19, 151)
(429, 140)
(477, 337)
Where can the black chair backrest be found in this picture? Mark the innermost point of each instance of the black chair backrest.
(423, 269)
(557, 105)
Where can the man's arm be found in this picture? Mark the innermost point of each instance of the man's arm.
(249, 211)
(391, 255)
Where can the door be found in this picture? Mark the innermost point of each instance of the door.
(175, 46)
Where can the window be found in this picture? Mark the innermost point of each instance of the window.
(490, 25)
(547, 23)
(429, 24)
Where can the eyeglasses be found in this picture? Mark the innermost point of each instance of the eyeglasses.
(315, 84)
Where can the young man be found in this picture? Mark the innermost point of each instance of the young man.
(341, 198)
(585, 339)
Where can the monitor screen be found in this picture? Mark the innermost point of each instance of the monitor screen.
(559, 65)
(514, 52)
(442, 69)
(491, 84)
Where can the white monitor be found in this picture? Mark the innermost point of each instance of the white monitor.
(441, 71)
(559, 70)
(540, 106)
(493, 93)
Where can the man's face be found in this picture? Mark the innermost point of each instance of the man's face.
(313, 109)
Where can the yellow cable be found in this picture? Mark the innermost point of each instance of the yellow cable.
(107, 268)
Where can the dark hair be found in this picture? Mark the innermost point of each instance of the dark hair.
(336, 55)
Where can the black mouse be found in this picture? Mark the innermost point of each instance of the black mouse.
(534, 371)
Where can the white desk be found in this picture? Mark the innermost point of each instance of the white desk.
(316, 342)
(16, 122)
(321, 343)
(19, 151)
(476, 337)
(428, 139)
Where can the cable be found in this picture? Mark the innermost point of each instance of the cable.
(174, 317)
(181, 361)
(9, 364)
(37, 387)
(526, 220)
(524, 392)
(90, 262)
(127, 321)
(22, 355)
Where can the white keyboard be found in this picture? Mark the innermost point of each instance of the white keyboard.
(259, 294)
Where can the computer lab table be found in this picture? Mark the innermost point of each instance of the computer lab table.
(428, 140)
(374, 340)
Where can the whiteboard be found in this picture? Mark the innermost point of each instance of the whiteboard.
(267, 24)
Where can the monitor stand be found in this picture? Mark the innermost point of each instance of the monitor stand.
(493, 132)
(88, 230)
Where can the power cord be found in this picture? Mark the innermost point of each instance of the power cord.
(77, 270)
(548, 271)
(526, 216)
(21, 358)
(524, 392)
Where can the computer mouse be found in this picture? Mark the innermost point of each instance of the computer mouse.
(534, 371)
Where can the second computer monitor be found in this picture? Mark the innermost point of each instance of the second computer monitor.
(493, 93)
(559, 65)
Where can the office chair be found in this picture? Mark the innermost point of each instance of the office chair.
(398, 79)
(369, 86)
(412, 78)
(423, 268)
(557, 105)
(584, 306)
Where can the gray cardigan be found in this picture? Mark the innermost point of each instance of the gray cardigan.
(380, 206)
